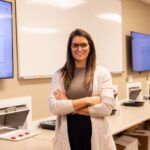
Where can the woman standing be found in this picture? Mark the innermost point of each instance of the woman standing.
(81, 96)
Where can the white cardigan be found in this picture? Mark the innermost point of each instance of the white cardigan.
(101, 135)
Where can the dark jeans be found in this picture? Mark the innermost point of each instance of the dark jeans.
(79, 132)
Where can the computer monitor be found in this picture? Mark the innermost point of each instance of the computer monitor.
(6, 40)
(140, 48)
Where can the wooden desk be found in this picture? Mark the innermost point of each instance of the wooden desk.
(128, 117)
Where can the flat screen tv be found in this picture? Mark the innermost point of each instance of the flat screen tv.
(140, 51)
(6, 40)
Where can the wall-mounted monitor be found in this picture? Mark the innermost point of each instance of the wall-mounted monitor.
(6, 40)
(140, 52)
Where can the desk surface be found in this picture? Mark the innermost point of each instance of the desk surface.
(126, 118)
(43, 141)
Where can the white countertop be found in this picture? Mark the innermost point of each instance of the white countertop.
(43, 141)
(122, 120)
(128, 117)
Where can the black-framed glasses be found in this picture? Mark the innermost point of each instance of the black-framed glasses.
(83, 46)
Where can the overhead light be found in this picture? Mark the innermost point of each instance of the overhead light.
(111, 17)
(64, 4)
(39, 30)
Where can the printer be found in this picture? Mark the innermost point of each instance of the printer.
(134, 97)
(15, 119)
(12, 118)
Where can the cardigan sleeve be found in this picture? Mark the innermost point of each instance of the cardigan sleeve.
(58, 107)
(106, 93)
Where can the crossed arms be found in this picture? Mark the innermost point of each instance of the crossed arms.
(81, 105)
(95, 106)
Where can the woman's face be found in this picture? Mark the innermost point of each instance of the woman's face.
(80, 48)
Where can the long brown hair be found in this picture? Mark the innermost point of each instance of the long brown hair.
(67, 71)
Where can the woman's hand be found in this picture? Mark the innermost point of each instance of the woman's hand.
(90, 101)
(93, 100)
(60, 95)
(83, 111)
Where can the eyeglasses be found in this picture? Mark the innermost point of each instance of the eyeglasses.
(83, 46)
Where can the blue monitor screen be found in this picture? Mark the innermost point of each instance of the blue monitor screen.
(140, 52)
(6, 44)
